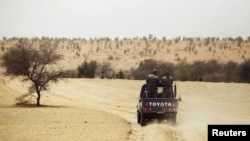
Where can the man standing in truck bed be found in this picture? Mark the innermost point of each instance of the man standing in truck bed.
(167, 82)
(152, 84)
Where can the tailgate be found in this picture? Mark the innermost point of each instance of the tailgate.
(159, 105)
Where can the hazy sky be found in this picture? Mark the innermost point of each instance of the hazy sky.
(124, 18)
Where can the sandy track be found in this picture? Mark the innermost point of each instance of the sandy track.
(202, 104)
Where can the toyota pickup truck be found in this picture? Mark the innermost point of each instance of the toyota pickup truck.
(156, 108)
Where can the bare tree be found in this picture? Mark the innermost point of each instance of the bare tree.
(35, 65)
(104, 70)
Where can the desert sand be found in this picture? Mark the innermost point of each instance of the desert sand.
(95, 109)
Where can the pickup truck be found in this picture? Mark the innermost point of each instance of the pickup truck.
(156, 108)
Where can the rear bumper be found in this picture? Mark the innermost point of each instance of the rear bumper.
(158, 113)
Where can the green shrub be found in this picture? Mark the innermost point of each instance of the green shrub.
(87, 70)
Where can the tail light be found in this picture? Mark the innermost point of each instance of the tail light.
(147, 109)
(172, 109)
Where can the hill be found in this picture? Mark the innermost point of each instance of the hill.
(127, 53)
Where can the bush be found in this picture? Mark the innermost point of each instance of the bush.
(230, 70)
(120, 75)
(198, 71)
(87, 70)
(148, 65)
(244, 71)
(70, 74)
(104, 70)
(183, 71)
(145, 67)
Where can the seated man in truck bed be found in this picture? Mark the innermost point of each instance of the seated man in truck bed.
(167, 82)
(143, 91)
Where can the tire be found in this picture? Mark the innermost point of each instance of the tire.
(142, 119)
(138, 117)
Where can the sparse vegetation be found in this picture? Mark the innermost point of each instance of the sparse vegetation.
(210, 71)
(194, 56)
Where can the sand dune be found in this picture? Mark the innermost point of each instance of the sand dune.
(94, 109)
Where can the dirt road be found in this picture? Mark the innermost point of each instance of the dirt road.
(202, 104)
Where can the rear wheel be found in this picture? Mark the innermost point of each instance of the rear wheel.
(138, 117)
(142, 119)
